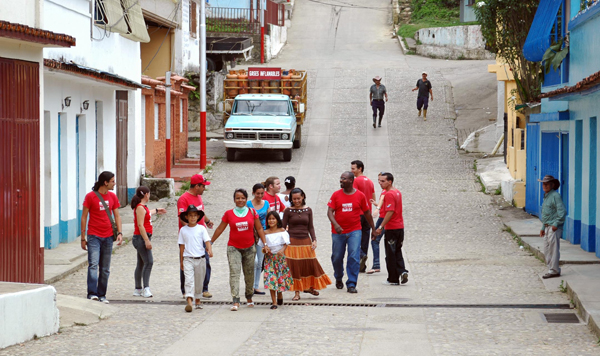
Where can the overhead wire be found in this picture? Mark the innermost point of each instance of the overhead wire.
(165, 37)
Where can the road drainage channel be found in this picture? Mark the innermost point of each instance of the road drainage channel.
(361, 305)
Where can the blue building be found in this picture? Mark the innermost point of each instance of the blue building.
(563, 139)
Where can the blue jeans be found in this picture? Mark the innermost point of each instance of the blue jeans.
(375, 245)
(258, 264)
(338, 250)
(99, 253)
(206, 276)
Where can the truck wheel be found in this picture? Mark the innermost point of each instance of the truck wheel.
(298, 137)
(287, 155)
(230, 155)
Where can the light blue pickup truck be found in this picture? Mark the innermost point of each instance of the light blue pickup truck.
(263, 122)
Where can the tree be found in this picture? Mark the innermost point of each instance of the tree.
(505, 25)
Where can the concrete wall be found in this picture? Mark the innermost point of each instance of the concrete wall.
(457, 42)
(275, 41)
(26, 311)
(27, 13)
(187, 48)
(583, 55)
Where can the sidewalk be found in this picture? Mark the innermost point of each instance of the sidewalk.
(68, 258)
(580, 270)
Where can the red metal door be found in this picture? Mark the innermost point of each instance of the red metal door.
(21, 257)
(122, 147)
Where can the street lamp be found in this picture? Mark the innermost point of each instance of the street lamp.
(68, 101)
(86, 105)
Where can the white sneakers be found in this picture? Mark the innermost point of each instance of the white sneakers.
(146, 293)
(142, 293)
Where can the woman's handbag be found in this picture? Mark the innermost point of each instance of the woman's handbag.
(112, 221)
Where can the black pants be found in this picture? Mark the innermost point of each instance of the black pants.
(378, 105)
(365, 236)
(393, 254)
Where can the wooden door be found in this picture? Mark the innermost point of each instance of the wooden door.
(21, 256)
(122, 146)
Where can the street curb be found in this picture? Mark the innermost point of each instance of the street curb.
(587, 317)
(531, 249)
(449, 101)
(400, 40)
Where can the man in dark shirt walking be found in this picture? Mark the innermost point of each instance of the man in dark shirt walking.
(376, 95)
(424, 88)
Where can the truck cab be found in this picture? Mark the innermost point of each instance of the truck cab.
(262, 121)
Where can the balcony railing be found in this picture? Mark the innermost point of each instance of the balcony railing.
(233, 20)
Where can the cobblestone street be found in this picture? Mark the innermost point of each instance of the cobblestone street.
(455, 247)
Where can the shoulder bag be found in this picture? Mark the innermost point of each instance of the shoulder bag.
(112, 221)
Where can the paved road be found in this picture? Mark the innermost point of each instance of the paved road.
(456, 250)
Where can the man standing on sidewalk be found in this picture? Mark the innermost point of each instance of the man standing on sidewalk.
(365, 186)
(344, 210)
(100, 233)
(424, 88)
(194, 197)
(376, 95)
(553, 218)
(393, 223)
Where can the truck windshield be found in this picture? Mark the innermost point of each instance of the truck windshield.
(262, 107)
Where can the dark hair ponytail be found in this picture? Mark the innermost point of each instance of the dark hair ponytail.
(104, 177)
(297, 191)
(139, 194)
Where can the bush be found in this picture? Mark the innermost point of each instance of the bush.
(435, 9)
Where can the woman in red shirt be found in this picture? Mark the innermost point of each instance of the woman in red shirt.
(242, 222)
(142, 222)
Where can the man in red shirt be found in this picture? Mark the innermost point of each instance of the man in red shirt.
(194, 197)
(393, 223)
(272, 187)
(344, 210)
(99, 241)
(365, 186)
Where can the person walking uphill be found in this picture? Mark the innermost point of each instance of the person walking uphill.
(393, 223)
(344, 210)
(194, 197)
(553, 218)
(103, 229)
(376, 96)
(365, 186)
(424, 88)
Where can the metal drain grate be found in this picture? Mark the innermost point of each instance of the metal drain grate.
(561, 318)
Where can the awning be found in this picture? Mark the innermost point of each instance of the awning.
(135, 19)
(92, 73)
(111, 16)
(538, 39)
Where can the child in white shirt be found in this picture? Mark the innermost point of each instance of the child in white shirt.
(192, 255)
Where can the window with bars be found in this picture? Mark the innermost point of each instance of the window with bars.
(193, 20)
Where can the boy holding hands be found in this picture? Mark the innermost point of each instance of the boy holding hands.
(192, 254)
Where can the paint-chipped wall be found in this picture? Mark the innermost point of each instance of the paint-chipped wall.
(456, 42)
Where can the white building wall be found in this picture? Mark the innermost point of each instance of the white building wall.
(26, 13)
(187, 48)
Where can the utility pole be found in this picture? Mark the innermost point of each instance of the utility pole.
(263, 4)
(202, 84)
(168, 107)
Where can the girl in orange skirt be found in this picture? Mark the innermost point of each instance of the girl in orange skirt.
(306, 271)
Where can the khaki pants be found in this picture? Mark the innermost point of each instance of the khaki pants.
(194, 270)
(552, 249)
(241, 260)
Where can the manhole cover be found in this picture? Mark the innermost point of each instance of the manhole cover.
(389, 300)
(562, 318)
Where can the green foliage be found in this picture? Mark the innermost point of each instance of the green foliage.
(409, 30)
(435, 9)
(505, 25)
(184, 188)
(554, 56)
(498, 191)
(562, 287)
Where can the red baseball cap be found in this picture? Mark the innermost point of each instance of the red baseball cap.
(199, 179)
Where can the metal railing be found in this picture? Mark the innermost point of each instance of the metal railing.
(233, 20)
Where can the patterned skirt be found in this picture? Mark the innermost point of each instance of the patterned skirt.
(304, 266)
(277, 273)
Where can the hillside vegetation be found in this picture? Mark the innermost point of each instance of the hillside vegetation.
(431, 13)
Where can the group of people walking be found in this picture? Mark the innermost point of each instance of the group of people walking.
(271, 234)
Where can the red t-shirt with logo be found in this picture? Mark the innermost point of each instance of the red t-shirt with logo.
(393, 201)
(241, 230)
(348, 209)
(275, 203)
(382, 210)
(147, 221)
(186, 199)
(365, 185)
(98, 223)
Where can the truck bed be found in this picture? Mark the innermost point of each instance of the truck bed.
(228, 44)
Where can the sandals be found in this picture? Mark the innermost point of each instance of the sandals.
(199, 306)
(250, 304)
(273, 307)
(373, 271)
(234, 308)
(312, 291)
(296, 298)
